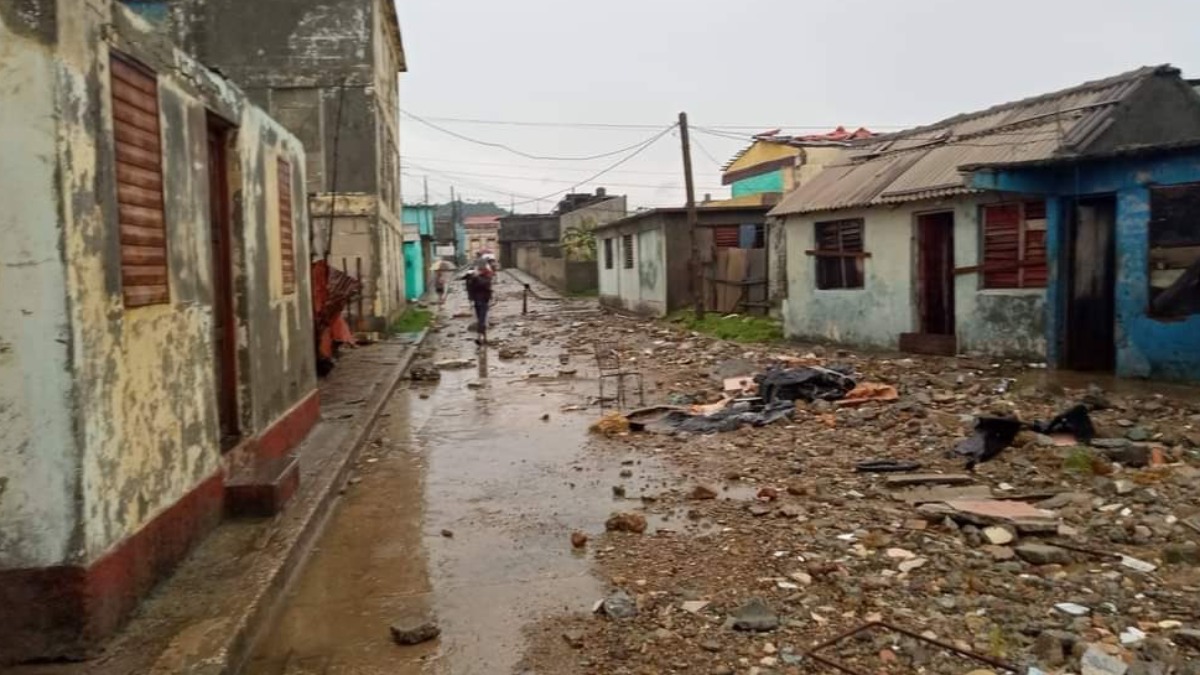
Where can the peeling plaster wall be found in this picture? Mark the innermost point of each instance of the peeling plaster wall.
(998, 322)
(642, 288)
(39, 452)
(146, 401)
(327, 69)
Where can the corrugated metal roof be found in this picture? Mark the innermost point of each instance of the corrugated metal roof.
(925, 162)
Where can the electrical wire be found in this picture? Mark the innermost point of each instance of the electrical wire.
(617, 125)
(543, 179)
(649, 142)
(421, 160)
(705, 152)
(522, 153)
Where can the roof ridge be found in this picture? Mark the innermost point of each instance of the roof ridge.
(1135, 74)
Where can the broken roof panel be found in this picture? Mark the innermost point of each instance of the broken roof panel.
(926, 162)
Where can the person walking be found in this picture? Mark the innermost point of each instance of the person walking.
(479, 292)
(441, 271)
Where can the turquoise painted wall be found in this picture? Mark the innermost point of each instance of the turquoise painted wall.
(767, 182)
(414, 270)
(1146, 346)
(421, 216)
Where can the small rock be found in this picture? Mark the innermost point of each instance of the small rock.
(573, 638)
(802, 578)
(579, 539)
(618, 605)
(1187, 553)
(768, 494)
(626, 473)
(626, 522)
(999, 553)
(414, 633)
(449, 534)
(618, 490)
(1187, 637)
(998, 536)
(1043, 554)
(546, 417)
(1138, 434)
(754, 616)
(1134, 456)
(1096, 661)
(694, 606)
(1072, 608)
(900, 554)
(1123, 487)
(1052, 647)
(1110, 443)
(703, 492)
(711, 646)
(910, 565)
(758, 510)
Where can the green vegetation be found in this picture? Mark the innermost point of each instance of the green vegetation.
(414, 320)
(1079, 461)
(733, 327)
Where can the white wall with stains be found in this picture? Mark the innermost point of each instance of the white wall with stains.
(38, 449)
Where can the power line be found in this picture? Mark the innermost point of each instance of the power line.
(544, 179)
(705, 152)
(410, 158)
(618, 163)
(522, 153)
(618, 125)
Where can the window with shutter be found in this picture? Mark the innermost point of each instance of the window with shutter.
(1014, 245)
(840, 254)
(140, 212)
(627, 250)
(287, 245)
(726, 236)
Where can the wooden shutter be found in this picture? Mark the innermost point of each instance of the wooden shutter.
(140, 212)
(726, 236)
(627, 250)
(1034, 272)
(1001, 245)
(287, 249)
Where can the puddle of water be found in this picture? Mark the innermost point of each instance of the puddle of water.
(478, 461)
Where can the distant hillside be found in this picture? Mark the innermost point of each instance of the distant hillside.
(467, 209)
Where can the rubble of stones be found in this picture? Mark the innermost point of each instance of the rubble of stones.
(1054, 557)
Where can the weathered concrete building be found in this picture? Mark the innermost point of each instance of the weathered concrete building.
(559, 248)
(644, 259)
(1051, 249)
(482, 235)
(328, 70)
(157, 319)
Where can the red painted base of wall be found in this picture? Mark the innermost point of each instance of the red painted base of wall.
(287, 432)
(62, 612)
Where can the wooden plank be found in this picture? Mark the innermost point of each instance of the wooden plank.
(130, 95)
(140, 296)
(150, 161)
(143, 236)
(837, 254)
(1175, 257)
(136, 196)
(135, 175)
(143, 255)
(127, 114)
(142, 217)
(144, 275)
(138, 77)
(137, 138)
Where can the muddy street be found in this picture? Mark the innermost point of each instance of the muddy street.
(459, 510)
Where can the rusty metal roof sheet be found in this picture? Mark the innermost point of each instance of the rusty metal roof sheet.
(926, 162)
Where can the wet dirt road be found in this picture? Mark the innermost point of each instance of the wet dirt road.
(462, 509)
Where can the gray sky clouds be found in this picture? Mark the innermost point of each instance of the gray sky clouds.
(758, 63)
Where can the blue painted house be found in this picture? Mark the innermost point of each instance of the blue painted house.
(1063, 227)
(418, 247)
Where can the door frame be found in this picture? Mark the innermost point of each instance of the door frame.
(1068, 358)
(224, 297)
(918, 265)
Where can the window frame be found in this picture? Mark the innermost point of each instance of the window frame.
(847, 261)
(1024, 265)
(627, 258)
(1158, 253)
(609, 258)
(138, 165)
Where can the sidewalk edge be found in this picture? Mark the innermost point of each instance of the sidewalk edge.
(260, 615)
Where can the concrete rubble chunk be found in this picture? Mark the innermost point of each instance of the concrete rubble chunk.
(938, 493)
(907, 479)
(998, 536)
(1043, 554)
(1096, 661)
(754, 617)
(618, 605)
(1187, 637)
(414, 632)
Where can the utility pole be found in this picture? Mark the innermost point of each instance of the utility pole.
(697, 267)
(426, 190)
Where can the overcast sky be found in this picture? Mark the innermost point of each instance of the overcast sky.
(751, 64)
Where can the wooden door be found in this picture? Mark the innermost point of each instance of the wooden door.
(224, 316)
(1091, 303)
(935, 273)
